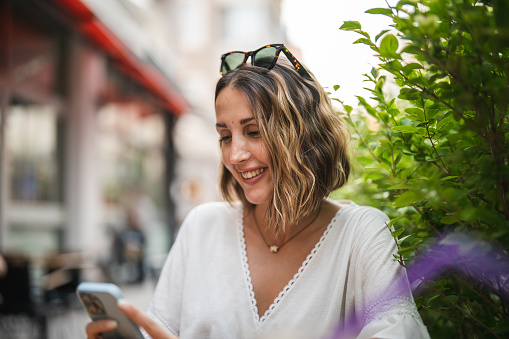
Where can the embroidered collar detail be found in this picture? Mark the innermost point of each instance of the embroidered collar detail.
(260, 320)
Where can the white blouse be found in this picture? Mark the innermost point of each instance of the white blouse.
(205, 289)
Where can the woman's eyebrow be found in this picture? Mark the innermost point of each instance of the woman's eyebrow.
(242, 122)
(245, 121)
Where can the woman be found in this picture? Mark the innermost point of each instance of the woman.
(278, 255)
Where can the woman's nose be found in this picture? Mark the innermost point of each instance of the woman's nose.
(238, 153)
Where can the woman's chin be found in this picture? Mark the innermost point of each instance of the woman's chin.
(257, 200)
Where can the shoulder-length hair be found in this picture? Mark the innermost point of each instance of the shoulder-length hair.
(305, 137)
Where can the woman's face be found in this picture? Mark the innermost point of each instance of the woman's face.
(244, 153)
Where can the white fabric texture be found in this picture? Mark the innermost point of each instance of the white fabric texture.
(205, 290)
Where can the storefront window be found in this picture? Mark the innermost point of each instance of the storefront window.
(131, 152)
(34, 173)
(132, 138)
(33, 214)
(31, 135)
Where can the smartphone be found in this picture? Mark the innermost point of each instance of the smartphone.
(100, 301)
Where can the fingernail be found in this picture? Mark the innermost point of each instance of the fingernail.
(112, 324)
(123, 303)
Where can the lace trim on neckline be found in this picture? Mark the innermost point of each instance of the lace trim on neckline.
(247, 273)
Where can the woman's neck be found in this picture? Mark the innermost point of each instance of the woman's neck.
(260, 219)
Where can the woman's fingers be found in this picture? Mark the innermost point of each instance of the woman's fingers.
(95, 328)
(142, 320)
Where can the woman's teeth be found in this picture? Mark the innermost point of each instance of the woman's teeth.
(251, 174)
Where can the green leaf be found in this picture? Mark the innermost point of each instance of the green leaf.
(394, 220)
(407, 69)
(444, 122)
(415, 242)
(386, 144)
(449, 219)
(384, 116)
(375, 175)
(366, 34)
(398, 187)
(406, 251)
(400, 240)
(389, 47)
(363, 41)
(367, 106)
(449, 177)
(404, 129)
(380, 34)
(407, 198)
(409, 94)
(350, 25)
(393, 112)
(394, 65)
(400, 82)
(396, 233)
(383, 11)
(336, 87)
(374, 72)
(411, 49)
(418, 112)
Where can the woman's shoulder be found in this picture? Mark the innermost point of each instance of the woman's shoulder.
(361, 212)
(207, 221)
(212, 214)
(359, 220)
(360, 227)
(215, 208)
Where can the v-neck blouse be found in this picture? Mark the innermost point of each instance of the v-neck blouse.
(205, 289)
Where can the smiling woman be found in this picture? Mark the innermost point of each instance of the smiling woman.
(304, 137)
(245, 156)
(278, 255)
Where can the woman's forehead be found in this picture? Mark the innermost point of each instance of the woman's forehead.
(232, 102)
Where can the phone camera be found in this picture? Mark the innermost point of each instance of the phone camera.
(97, 305)
(85, 299)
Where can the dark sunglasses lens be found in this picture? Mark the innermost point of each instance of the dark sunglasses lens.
(265, 57)
(232, 61)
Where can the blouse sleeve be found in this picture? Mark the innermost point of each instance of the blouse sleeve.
(384, 304)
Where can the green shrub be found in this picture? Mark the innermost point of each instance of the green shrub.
(433, 151)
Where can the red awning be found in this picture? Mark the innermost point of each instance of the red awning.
(143, 73)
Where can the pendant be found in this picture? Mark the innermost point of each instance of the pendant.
(274, 249)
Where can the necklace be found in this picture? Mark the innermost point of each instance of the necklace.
(275, 248)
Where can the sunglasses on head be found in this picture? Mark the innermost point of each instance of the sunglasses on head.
(265, 56)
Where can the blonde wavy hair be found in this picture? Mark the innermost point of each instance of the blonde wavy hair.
(305, 137)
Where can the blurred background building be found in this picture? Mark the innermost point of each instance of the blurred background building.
(107, 126)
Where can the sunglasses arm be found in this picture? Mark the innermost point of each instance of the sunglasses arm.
(300, 69)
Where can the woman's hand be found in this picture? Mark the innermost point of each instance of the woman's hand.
(95, 328)
(141, 319)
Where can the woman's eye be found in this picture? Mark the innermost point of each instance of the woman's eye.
(226, 138)
(254, 133)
